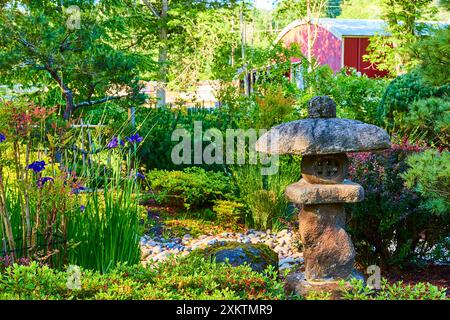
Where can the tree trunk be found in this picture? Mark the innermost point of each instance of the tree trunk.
(70, 106)
(162, 60)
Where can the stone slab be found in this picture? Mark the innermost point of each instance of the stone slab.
(303, 192)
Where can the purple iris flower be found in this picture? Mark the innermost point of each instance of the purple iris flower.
(114, 143)
(2, 137)
(37, 166)
(135, 138)
(82, 208)
(41, 181)
(140, 176)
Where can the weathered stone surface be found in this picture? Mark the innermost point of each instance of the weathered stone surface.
(325, 169)
(328, 251)
(322, 136)
(257, 256)
(303, 192)
(321, 107)
(296, 282)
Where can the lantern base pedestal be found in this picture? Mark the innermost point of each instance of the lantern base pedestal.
(297, 283)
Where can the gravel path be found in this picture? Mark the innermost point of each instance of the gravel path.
(284, 243)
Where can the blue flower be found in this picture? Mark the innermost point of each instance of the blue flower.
(135, 138)
(82, 208)
(140, 176)
(2, 137)
(37, 166)
(41, 181)
(114, 143)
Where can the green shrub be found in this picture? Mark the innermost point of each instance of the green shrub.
(429, 120)
(395, 291)
(429, 175)
(182, 278)
(357, 96)
(401, 93)
(192, 188)
(228, 211)
(391, 227)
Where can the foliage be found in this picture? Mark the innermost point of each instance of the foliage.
(357, 96)
(401, 94)
(429, 119)
(392, 53)
(360, 9)
(228, 212)
(432, 53)
(274, 108)
(184, 278)
(264, 195)
(41, 45)
(429, 175)
(192, 188)
(67, 195)
(391, 227)
(333, 8)
(394, 291)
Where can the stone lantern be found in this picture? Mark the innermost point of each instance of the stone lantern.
(323, 141)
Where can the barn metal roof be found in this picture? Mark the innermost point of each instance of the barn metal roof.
(347, 27)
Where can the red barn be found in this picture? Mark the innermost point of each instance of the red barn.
(337, 42)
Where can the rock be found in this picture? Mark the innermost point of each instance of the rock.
(322, 136)
(307, 193)
(212, 241)
(257, 256)
(288, 260)
(321, 107)
(156, 249)
(298, 284)
(328, 250)
(151, 243)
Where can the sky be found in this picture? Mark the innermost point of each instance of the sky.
(264, 4)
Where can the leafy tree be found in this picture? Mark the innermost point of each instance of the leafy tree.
(187, 33)
(402, 16)
(333, 8)
(360, 9)
(433, 55)
(69, 46)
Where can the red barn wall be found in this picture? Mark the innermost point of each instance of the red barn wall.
(327, 48)
(354, 50)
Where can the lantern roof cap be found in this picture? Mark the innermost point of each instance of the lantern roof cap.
(322, 133)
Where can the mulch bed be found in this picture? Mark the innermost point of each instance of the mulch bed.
(437, 275)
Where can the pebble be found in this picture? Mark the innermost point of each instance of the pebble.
(158, 249)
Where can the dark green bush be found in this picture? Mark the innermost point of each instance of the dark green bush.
(429, 120)
(185, 278)
(192, 188)
(429, 175)
(401, 93)
(391, 227)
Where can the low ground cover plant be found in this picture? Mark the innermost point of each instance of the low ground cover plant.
(191, 277)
